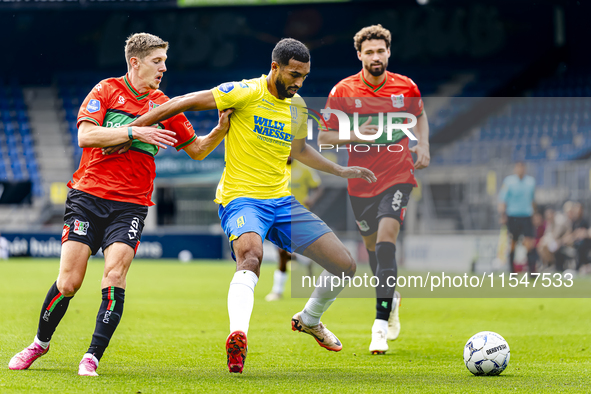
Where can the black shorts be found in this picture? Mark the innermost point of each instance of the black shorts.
(519, 226)
(390, 203)
(98, 223)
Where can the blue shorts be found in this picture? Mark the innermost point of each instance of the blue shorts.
(283, 221)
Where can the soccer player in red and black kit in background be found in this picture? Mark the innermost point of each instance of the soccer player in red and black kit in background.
(379, 207)
(110, 195)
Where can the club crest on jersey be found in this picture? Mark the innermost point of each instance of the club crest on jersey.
(151, 105)
(294, 112)
(98, 87)
(93, 106)
(243, 85)
(121, 100)
(357, 103)
(397, 100)
(226, 87)
(80, 228)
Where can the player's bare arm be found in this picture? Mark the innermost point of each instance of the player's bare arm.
(203, 146)
(196, 101)
(310, 157)
(422, 148)
(331, 137)
(93, 136)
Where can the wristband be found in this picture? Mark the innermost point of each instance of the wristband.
(130, 133)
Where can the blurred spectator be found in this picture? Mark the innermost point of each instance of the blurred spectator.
(557, 226)
(4, 248)
(553, 246)
(579, 236)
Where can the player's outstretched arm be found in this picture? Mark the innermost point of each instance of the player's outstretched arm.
(422, 148)
(204, 145)
(310, 157)
(197, 101)
(93, 136)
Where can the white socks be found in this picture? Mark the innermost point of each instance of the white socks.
(380, 325)
(279, 279)
(44, 345)
(321, 299)
(241, 300)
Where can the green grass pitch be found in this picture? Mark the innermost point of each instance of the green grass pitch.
(172, 335)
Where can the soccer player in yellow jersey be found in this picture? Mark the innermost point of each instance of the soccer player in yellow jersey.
(254, 199)
(305, 188)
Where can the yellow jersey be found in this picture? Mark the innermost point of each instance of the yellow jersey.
(303, 178)
(259, 140)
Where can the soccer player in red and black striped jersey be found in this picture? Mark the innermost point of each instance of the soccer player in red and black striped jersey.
(379, 207)
(110, 194)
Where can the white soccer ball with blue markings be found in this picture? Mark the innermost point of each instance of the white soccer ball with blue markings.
(486, 353)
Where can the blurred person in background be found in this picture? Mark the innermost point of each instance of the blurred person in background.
(557, 226)
(578, 237)
(516, 208)
(305, 186)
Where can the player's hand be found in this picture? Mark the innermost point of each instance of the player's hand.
(358, 172)
(224, 119)
(154, 136)
(365, 129)
(121, 148)
(423, 156)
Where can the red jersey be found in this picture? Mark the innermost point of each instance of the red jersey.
(127, 177)
(397, 93)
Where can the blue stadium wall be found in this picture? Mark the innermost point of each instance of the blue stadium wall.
(154, 246)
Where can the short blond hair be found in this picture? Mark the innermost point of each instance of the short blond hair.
(373, 32)
(141, 45)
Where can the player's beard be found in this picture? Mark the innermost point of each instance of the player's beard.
(377, 72)
(282, 89)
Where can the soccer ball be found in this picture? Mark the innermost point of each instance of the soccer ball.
(486, 353)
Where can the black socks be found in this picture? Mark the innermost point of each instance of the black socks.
(54, 308)
(107, 320)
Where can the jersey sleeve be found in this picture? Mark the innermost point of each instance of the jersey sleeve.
(94, 107)
(235, 95)
(185, 134)
(416, 105)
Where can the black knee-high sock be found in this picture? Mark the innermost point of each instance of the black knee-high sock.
(373, 262)
(107, 320)
(386, 256)
(54, 308)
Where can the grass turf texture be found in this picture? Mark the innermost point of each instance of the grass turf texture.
(172, 335)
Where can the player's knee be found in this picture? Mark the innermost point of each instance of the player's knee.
(351, 266)
(68, 287)
(115, 278)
